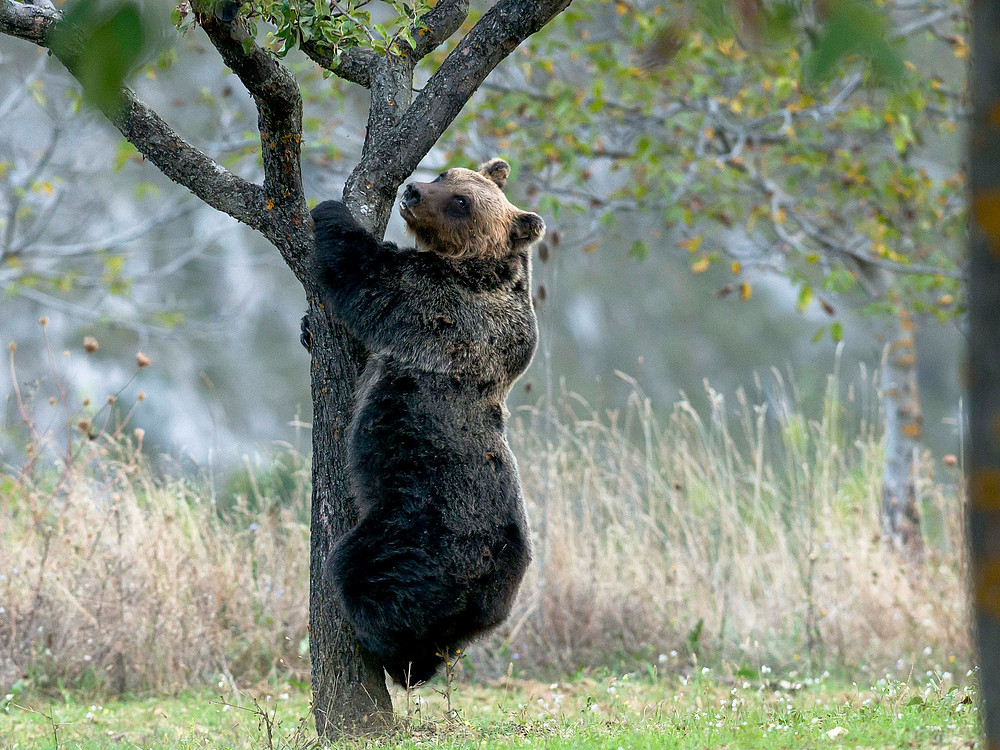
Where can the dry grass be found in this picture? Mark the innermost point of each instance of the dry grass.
(747, 537)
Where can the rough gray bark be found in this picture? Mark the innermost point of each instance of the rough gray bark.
(903, 420)
(348, 694)
(983, 465)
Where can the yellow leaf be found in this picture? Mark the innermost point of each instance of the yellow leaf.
(700, 266)
(691, 244)
(735, 266)
(745, 291)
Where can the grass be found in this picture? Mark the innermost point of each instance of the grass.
(624, 712)
(744, 537)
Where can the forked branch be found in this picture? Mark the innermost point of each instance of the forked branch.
(495, 35)
(279, 106)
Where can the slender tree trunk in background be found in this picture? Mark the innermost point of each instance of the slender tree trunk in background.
(983, 464)
(903, 420)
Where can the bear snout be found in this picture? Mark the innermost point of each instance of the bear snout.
(411, 196)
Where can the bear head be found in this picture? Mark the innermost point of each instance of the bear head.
(465, 214)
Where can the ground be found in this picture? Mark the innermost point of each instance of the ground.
(633, 712)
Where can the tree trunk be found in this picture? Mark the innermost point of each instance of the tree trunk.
(903, 420)
(983, 464)
(349, 694)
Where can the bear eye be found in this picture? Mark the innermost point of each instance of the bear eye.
(459, 207)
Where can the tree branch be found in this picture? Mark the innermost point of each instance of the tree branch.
(355, 64)
(148, 132)
(495, 35)
(279, 107)
(186, 165)
(32, 23)
(437, 25)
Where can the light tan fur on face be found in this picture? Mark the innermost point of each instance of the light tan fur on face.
(494, 226)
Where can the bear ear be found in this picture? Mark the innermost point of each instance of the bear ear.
(528, 228)
(497, 170)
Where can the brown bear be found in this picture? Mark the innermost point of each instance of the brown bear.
(442, 543)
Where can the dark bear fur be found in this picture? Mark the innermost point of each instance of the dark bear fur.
(442, 542)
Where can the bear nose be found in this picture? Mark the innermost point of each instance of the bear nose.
(411, 196)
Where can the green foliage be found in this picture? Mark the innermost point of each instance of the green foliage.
(332, 26)
(828, 141)
(854, 27)
(104, 43)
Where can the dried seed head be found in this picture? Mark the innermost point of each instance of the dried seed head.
(52, 400)
(139, 434)
(90, 344)
(141, 396)
(43, 321)
(143, 360)
(13, 346)
(111, 400)
(84, 425)
(86, 401)
(950, 460)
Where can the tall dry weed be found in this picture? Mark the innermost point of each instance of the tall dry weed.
(748, 534)
(745, 535)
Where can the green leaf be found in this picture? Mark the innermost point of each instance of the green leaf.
(639, 250)
(837, 331)
(854, 27)
(123, 153)
(102, 46)
(805, 297)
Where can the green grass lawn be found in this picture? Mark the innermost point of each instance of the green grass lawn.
(625, 712)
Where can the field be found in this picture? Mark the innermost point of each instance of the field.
(700, 574)
(625, 712)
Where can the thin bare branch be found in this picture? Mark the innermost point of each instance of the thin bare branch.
(149, 133)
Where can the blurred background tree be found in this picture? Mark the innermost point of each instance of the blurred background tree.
(728, 187)
(763, 143)
(723, 184)
(814, 142)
